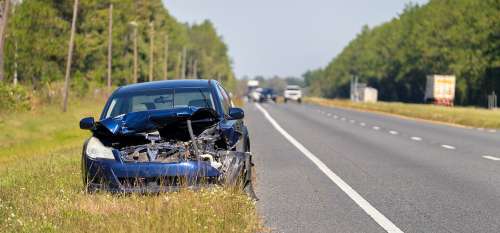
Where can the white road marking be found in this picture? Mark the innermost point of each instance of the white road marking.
(343, 118)
(329, 114)
(352, 121)
(491, 158)
(362, 124)
(378, 217)
(376, 128)
(480, 129)
(492, 130)
(448, 147)
(416, 138)
(393, 132)
(335, 116)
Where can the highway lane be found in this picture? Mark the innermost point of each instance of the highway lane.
(399, 166)
(292, 191)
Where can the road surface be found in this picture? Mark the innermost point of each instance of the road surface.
(323, 169)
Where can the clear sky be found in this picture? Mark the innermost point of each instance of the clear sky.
(286, 37)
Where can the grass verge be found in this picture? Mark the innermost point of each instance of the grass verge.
(464, 116)
(41, 190)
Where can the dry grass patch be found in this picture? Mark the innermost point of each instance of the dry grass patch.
(464, 116)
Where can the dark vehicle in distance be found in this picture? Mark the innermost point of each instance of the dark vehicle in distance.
(267, 94)
(166, 135)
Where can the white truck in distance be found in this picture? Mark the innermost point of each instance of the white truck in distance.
(440, 89)
(293, 92)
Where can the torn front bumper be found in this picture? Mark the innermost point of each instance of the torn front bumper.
(117, 176)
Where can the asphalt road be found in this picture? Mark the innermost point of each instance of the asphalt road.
(411, 175)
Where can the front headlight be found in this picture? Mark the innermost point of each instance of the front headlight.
(95, 149)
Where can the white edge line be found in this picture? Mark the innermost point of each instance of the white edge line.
(491, 158)
(448, 147)
(393, 132)
(378, 217)
(416, 138)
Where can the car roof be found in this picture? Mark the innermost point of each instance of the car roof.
(164, 84)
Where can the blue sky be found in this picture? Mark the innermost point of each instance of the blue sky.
(286, 37)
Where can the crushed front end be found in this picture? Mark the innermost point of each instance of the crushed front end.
(155, 160)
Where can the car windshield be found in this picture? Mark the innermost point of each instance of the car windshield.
(160, 99)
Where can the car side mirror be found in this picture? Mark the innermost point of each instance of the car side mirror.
(87, 123)
(236, 113)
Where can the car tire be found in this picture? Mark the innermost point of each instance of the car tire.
(299, 100)
(286, 100)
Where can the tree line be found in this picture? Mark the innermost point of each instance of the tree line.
(37, 34)
(457, 37)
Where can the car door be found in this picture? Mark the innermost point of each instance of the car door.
(233, 130)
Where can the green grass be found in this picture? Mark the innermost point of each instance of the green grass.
(41, 189)
(464, 116)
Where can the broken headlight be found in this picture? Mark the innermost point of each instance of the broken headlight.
(95, 149)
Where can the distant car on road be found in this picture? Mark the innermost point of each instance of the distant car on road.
(255, 94)
(293, 92)
(267, 94)
(165, 135)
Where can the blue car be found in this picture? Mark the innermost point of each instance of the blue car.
(166, 135)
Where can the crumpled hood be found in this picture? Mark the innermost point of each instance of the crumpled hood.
(156, 120)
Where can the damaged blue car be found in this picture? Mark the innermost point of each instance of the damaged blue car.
(166, 135)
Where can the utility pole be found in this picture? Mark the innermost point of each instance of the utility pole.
(351, 93)
(70, 56)
(354, 89)
(15, 63)
(356, 94)
(151, 51)
(110, 45)
(15, 53)
(3, 28)
(165, 69)
(134, 24)
(195, 69)
(184, 55)
(190, 69)
(178, 66)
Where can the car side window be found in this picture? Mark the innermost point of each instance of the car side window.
(226, 102)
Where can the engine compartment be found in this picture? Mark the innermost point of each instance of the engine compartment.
(160, 150)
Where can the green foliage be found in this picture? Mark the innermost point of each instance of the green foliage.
(208, 49)
(13, 98)
(38, 35)
(442, 37)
